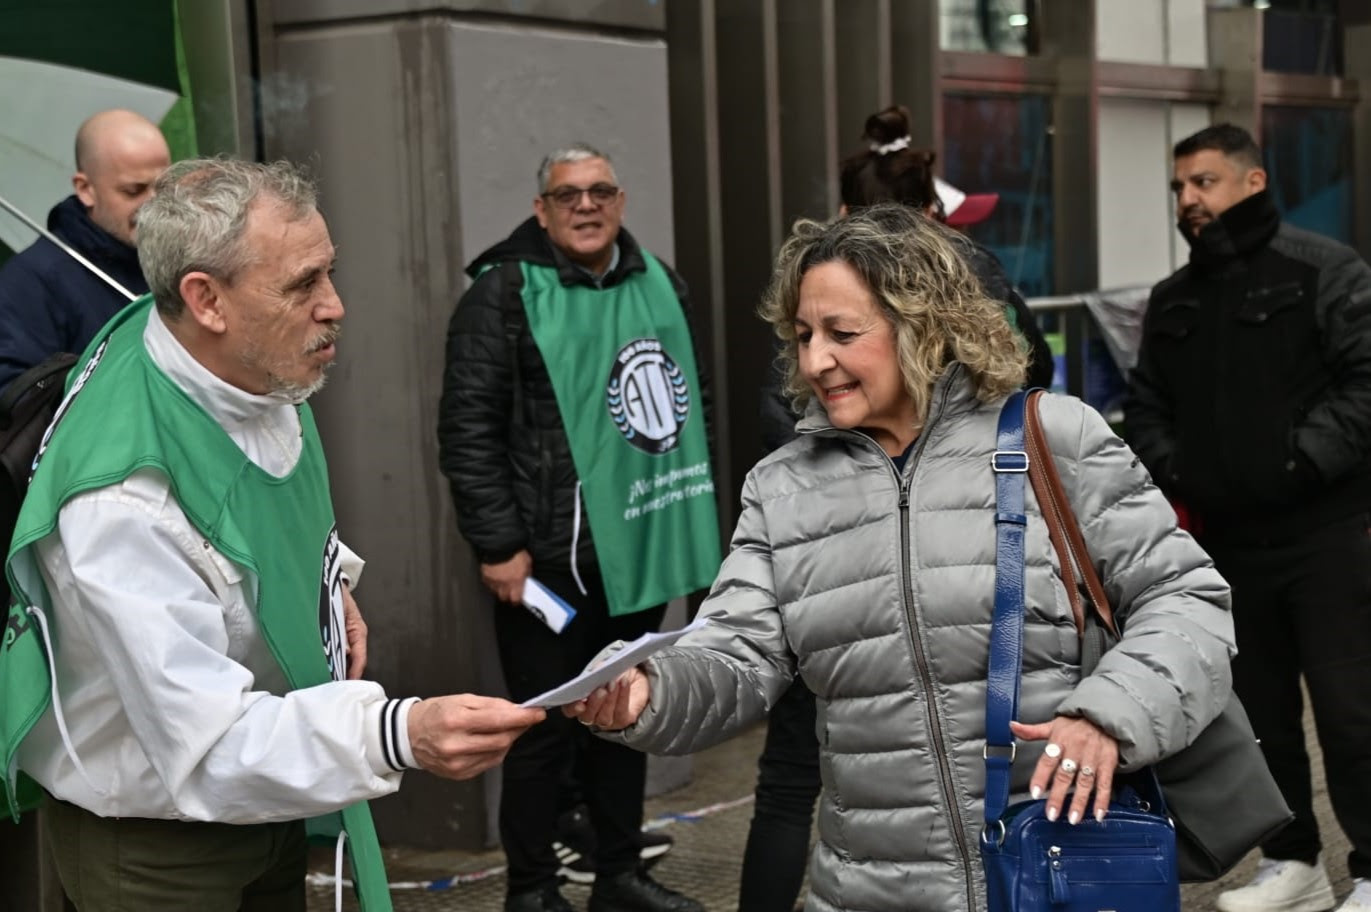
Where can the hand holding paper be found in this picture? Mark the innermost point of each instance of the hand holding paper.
(584, 684)
(615, 706)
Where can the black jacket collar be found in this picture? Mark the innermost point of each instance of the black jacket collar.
(1243, 229)
(70, 221)
(529, 243)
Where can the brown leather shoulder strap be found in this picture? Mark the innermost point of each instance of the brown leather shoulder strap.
(1062, 527)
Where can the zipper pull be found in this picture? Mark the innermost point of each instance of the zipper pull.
(904, 496)
(1058, 887)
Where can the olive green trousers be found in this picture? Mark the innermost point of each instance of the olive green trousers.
(131, 864)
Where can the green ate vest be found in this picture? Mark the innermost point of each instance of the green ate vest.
(623, 369)
(122, 413)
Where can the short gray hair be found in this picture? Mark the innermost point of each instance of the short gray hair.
(195, 220)
(575, 152)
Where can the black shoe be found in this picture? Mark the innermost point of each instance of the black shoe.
(575, 846)
(652, 845)
(573, 865)
(544, 900)
(634, 891)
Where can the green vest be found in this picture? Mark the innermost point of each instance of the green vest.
(623, 369)
(122, 413)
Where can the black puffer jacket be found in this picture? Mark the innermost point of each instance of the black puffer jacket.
(507, 456)
(1251, 400)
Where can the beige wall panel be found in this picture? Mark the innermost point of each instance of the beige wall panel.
(1186, 37)
(1133, 198)
(1131, 31)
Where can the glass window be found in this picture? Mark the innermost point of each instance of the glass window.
(1308, 153)
(994, 26)
(1000, 144)
(1300, 36)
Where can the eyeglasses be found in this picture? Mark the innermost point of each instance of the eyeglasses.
(568, 197)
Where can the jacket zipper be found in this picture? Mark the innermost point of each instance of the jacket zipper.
(921, 661)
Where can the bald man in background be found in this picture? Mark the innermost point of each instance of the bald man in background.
(49, 302)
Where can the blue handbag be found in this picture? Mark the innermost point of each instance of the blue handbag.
(1125, 863)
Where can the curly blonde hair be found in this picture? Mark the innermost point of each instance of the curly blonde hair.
(921, 284)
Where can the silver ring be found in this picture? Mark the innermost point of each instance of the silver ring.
(1053, 750)
(1068, 765)
(1087, 771)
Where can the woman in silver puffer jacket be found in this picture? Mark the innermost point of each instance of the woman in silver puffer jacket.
(864, 561)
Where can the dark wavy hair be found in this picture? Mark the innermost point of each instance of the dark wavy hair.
(879, 172)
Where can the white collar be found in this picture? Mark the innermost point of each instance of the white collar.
(226, 403)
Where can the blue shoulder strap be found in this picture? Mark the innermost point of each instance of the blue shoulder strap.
(1010, 464)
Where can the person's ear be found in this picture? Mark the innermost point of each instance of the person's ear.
(540, 211)
(203, 296)
(1255, 179)
(85, 192)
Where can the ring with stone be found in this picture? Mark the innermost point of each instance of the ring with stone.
(1053, 750)
(1068, 765)
(1087, 771)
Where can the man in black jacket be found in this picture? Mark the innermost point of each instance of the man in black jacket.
(49, 302)
(512, 437)
(1251, 406)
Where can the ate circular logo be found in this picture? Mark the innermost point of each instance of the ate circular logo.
(648, 396)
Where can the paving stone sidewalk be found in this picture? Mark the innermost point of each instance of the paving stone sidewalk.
(707, 856)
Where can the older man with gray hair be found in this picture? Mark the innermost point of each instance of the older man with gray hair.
(178, 561)
(573, 431)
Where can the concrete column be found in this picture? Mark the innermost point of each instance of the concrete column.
(1068, 40)
(1235, 49)
(916, 69)
(425, 129)
(865, 34)
(693, 83)
(751, 153)
(1068, 35)
(1357, 57)
(805, 39)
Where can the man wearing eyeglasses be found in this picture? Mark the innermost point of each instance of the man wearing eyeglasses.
(573, 431)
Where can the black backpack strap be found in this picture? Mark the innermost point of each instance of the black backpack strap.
(512, 306)
(39, 377)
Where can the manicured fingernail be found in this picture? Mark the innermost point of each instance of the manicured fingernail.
(1074, 817)
(1099, 815)
(1036, 791)
(1051, 813)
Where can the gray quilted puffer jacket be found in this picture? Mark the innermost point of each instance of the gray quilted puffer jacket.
(878, 590)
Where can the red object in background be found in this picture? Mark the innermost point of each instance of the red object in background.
(1186, 518)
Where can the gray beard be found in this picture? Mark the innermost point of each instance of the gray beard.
(294, 393)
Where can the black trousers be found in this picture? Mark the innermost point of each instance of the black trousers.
(536, 770)
(1303, 607)
(787, 786)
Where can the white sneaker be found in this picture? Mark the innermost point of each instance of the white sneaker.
(1360, 898)
(1282, 886)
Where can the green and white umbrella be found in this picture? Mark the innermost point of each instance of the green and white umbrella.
(60, 62)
